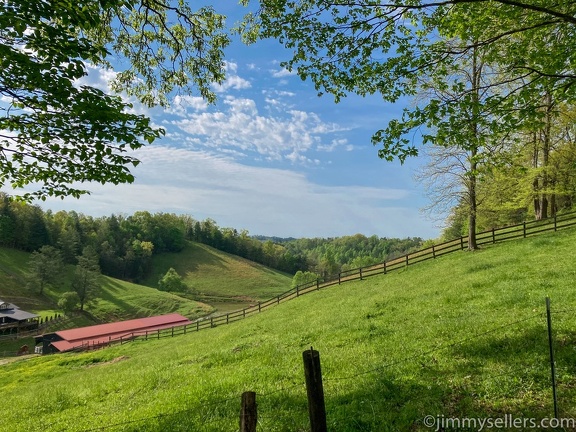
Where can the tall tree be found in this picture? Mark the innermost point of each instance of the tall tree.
(44, 267)
(87, 279)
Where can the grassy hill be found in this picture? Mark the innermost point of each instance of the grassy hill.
(118, 299)
(461, 336)
(225, 281)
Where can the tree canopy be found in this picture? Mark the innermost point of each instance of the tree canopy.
(55, 133)
(387, 48)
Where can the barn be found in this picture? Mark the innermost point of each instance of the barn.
(102, 334)
(13, 319)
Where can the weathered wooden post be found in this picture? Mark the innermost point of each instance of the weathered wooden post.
(314, 390)
(248, 412)
(552, 363)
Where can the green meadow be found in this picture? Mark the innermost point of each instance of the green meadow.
(461, 336)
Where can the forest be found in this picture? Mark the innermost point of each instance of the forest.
(125, 245)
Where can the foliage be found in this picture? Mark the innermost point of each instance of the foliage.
(44, 267)
(168, 46)
(87, 280)
(69, 301)
(480, 71)
(172, 282)
(303, 278)
(54, 132)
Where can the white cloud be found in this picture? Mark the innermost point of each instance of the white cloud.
(241, 126)
(181, 104)
(263, 200)
(281, 73)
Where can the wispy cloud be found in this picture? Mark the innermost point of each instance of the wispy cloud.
(241, 126)
(262, 200)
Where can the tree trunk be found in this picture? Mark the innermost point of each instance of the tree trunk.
(472, 179)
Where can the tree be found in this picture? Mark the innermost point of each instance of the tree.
(55, 133)
(396, 49)
(45, 266)
(69, 301)
(86, 282)
(304, 277)
(172, 282)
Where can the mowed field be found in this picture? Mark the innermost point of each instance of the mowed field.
(463, 336)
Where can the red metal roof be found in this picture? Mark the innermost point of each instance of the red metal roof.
(102, 333)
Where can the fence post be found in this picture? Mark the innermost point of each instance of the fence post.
(339, 278)
(360, 273)
(314, 390)
(297, 290)
(317, 284)
(493, 236)
(406, 260)
(248, 412)
(198, 325)
(211, 321)
(555, 227)
(462, 243)
(433, 252)
(552, 367)
(384, 267)
(524, 229)
(259, 307)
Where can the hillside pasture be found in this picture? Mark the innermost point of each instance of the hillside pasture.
(225, 281)
(461, 336)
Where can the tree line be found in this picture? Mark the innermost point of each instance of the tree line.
(124, 245)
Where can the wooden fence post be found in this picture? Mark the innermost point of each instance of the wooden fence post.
(339, 278)
(552, 366)
(248, 412)
(433, 252)
(462, 243)
(406, 260)
(524, 229)
(493, 237)
(360, 273)
(314, 390)
(555, 227)
(317, 284)
(384, 267)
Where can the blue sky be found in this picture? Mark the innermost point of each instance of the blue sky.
(271, 157)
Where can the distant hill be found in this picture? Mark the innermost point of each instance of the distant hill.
(223, 280)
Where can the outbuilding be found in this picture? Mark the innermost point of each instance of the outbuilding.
(103, 334)
(14, 320)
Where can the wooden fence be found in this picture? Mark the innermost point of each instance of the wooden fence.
(523, 230)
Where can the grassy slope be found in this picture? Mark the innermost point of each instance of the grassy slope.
(118, 299)
(210, 272)
(464, 335)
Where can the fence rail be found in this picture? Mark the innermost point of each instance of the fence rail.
(522, 230)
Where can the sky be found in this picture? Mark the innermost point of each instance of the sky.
(270, 157)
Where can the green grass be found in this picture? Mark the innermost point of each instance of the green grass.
(117, 300)
(220, 277)
(461, 336)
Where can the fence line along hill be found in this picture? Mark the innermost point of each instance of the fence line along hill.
(490, 237)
